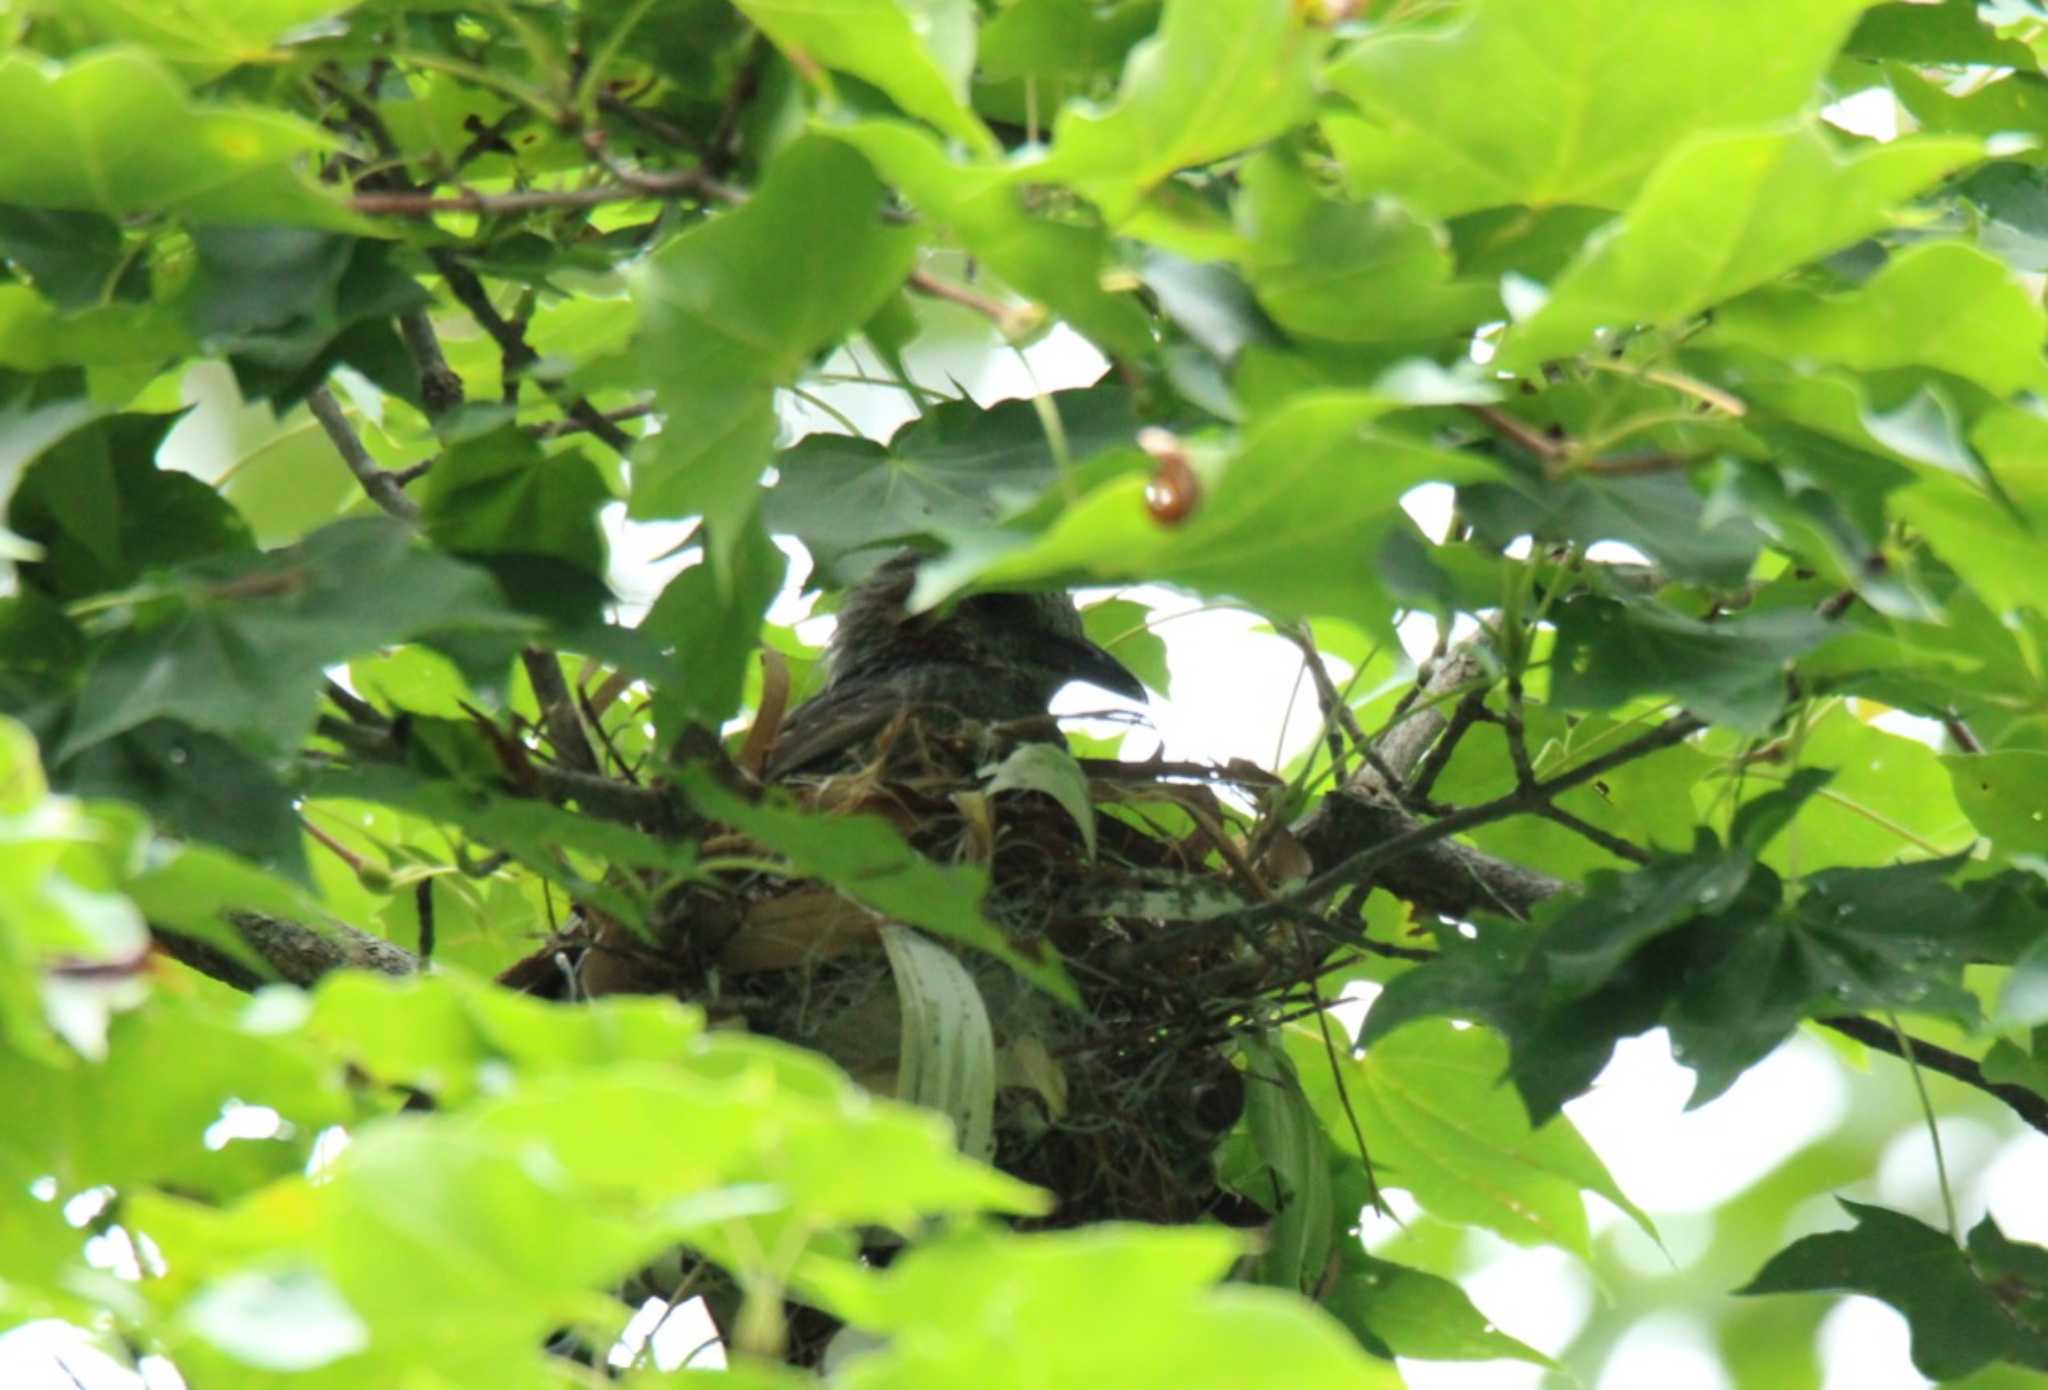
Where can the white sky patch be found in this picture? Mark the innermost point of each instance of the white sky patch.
(1866, 1345)
(1667, 1158)
(1668, 1351)
(1872, 112)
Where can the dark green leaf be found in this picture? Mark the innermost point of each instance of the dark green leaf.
(1732, 671)
(956, 467)
(736, 307)
(1957, 1323)
(499, 493)
(105, 514)
(242, 650)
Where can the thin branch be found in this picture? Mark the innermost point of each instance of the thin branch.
(440, 386)
(1467, 713)
(379, 483)
(1531, 439)
(650, 808)
(558, 712)
(515, 354)
(691, 183)
(1010, 320)
(354, 705)
(1607, 840)
(554, 429)
(2028, 1105)
(1357, 866)
(299, 954)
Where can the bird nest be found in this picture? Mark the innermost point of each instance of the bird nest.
(1115, 1106)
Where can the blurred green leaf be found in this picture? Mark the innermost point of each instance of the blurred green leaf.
(907, 50)
(1721, 216)
(1217, 77)
(734, 308)
(114, 133)
(1588, 131)
(1957, 1322)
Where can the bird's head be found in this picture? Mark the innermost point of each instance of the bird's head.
(1029, 639)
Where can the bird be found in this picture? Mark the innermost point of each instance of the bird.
(991, 659)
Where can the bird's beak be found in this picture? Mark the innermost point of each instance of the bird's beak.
(1079, 659)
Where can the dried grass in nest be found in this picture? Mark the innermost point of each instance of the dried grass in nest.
(1115, 1107)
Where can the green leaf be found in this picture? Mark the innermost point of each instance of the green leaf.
(1350, 272)
(1420, 1315)
(1721, 216)
(1020, 1311)
(735, 307)
(886, 42)
(1121, 627)
(35, 337)
(208, 34)
(1665, 517)
(1061, 263)
(105, 514)
(142, 1114)
(1948, 32)
(287, 304)
(866, 859)
(1588, 130)
(197, 786)
(1732, 671)
(713, 628)
(2003, 795)
(1956, 1322)
(1303, 494)
(1941, 304)
(956, 467)
(114, 133)
(1295, 1179)
(1439, 1125)
(243, 647)
(73, 258)
(1219, 76)
(500, 493)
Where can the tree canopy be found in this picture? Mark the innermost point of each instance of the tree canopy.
(1682, 362)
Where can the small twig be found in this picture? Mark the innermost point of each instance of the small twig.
(423, 903)
(2027, 1104)
(558, 712)
(1612, 843)
(379, 483)
(554, 429)
(1010, 320)
(1356, 866)
(1517, 734)
(440, 387)
(1467, 713)
(1535, 441)
(515, 354)
(1337, 713)
(1961, 733)
(355, 706)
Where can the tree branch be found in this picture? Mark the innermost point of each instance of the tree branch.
(2027, 1104)
(379, 483)
(298, 953)
(644, 187)
(558, 711)
(514, 352)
